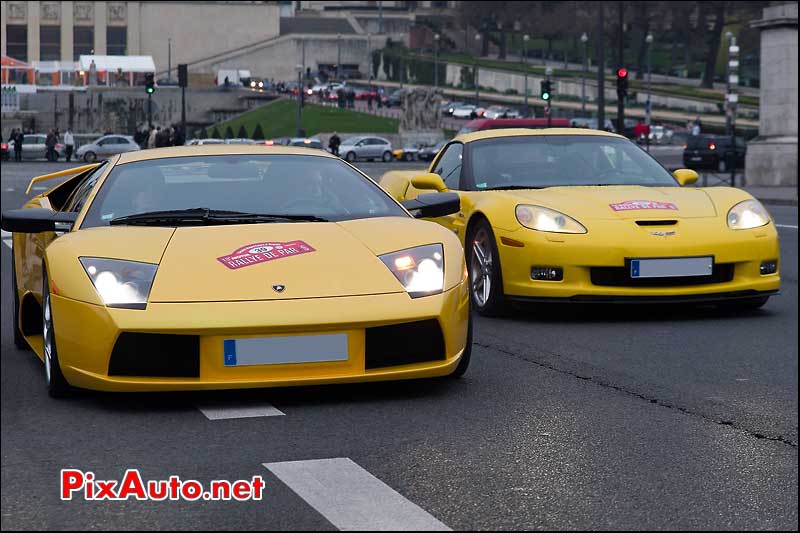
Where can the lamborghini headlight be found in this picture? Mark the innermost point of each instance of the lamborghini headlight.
(120, 283)
(420, 269)
(747, 215)
(544, 219)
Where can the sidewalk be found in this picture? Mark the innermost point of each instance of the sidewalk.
(774, 195)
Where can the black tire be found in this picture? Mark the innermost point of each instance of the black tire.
(408, 157)
(461, 369)
(19, 339)
(486, 300)
(350, 157)
(57, 385)
(90, 157)
(750, 304)
(387, 157)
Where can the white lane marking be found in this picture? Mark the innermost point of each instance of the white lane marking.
(8, 190)
(7, 242)
(220, 411)
(39, 188)
(351, 498)
(785, 226)
(5, 234)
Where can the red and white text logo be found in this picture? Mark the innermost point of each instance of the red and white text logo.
(261, 252)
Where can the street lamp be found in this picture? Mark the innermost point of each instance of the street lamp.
(369, 61)
(585, 41)
(338, 54)
(475, 75)
(169, 59)
(548, 109)
(649, 41)
(299, 100)
(436, 38)
(732, 100)
(525, 39)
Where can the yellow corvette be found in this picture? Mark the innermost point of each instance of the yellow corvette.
(224, 266)
(583, 215)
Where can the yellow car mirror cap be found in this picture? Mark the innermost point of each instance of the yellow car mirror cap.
(685, 176)
(428, 181)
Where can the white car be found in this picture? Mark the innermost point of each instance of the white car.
(106, 146)
(496, 111)
(201, 142)
(660, 135)
(465, 111)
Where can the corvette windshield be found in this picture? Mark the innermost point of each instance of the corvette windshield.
(292, 186)
(539, 161)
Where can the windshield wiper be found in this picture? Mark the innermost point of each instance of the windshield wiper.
(511, 187)
(206, 216)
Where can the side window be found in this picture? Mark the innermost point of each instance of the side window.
(449, 166)
(82, 191)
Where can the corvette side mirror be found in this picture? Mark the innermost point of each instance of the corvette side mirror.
(36, 220)
(685, 176)
(433, 205)
(428, 181)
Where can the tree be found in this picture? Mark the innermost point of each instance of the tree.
(714, 37)
(258, 133)
(228, 133)
(202, 134)
(242, 134)
(215, 133)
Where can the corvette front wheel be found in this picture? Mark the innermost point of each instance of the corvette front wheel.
(57, 385)
(485, 275)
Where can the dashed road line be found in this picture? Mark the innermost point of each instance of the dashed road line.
(789, 226)
(6, 236)
(351, 498)
(220, 411)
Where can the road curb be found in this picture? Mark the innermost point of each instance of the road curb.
(778, 201)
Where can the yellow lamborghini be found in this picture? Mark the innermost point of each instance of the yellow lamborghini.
(223, 266)
(583, 215)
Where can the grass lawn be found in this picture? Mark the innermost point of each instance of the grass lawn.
(279, 119)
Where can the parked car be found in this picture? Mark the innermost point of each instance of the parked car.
(713, 151)
(239, 140)
(396, 98)
(409, 152)
(498, 111)
(201, 142)
(429, 152)
(450, 107)
(105, 146)
(306, 142)
(660, 135)
(278, 141)
(33, 147)
(464, 111)
(366, 147)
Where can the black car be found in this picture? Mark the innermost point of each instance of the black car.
(396, 98)
(429, 152)
(713, 152)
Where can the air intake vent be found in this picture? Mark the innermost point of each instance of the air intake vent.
(404, 344)
(656, 222)
(155, 355)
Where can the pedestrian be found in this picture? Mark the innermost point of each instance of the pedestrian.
(333, 144)
(351, 98)
(69, 143)
(162, 137)
(340, 98)
(698, 126)
(18, 145)
(369, 100)
(380, 97)
(154, 133)
(50, 145)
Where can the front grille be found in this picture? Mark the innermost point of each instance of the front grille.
(404, 344)
(156, 356)
(621, 277)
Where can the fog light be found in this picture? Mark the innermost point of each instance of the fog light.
(545, 273)
(769, 267)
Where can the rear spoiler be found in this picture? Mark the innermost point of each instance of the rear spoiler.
(61, 173)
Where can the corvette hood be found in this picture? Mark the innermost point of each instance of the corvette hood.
(622, 202)
(268, 262)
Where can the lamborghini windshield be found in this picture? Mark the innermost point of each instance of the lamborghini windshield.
(244, 188)
(539, 161)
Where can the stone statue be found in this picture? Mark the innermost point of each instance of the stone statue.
(420, 110)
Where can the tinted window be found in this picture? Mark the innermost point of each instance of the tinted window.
(538, 161)
(449, 165)
(82, 191)
(250, 183)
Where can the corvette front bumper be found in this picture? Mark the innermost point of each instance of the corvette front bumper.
(86, 335)
(588, 258)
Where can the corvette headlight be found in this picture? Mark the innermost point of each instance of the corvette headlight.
(747, 215)
(544, 219)
(420, 269)
(120, 283)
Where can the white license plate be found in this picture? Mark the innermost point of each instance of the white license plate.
(672, 267)
(285, 350)
(695, 159)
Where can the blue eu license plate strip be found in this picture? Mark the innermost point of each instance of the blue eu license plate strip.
(672, 267)
(285, 350)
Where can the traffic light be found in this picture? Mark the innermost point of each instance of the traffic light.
(149, 83)
(622, 82)
(546, 90)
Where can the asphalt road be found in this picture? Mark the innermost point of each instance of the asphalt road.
(574, 418)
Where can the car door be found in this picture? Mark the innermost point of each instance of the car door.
(105, 147)
(448, 166)
(378, 147)
(362, 148)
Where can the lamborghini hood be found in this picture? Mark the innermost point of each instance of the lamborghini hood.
(622, 202)
(268, 262)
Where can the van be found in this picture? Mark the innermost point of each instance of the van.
(482, 124)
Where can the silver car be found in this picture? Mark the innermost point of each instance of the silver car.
(105, 147)
(366, 147)
(33, 147)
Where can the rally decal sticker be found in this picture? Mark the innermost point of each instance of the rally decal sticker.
(261, 252)
(630, 205)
